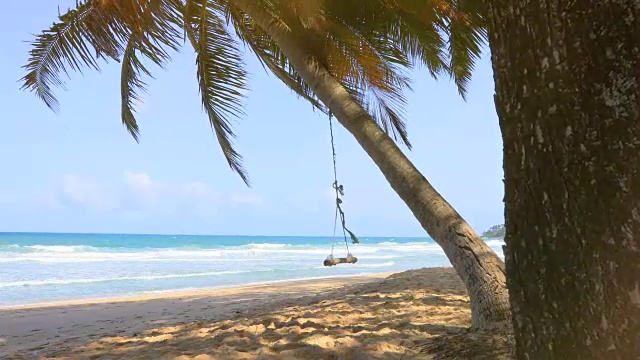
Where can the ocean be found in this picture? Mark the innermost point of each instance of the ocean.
(44, 268)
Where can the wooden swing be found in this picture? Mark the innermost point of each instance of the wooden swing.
(339, 189)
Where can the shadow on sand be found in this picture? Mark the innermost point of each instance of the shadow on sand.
(419, 314)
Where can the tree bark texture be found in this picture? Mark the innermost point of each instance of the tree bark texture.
(567, 77)
(478, 266)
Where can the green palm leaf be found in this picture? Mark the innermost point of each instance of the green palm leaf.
(467, 34)
(221, 75)
(130, 85)
(444, 35)
(89, 32)
(368, 67)
(375, 76)
(68, 45)
(157, 32)
(366, 45)
(271, 58)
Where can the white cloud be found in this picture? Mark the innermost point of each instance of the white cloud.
(141, 191)
(146, 194)
(139, 181)
(84, 192)
(140, 194)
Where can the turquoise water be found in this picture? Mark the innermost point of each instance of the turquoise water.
(42, 267)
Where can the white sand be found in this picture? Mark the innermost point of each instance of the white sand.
(353, 317)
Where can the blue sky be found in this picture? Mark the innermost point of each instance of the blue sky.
(80, 171)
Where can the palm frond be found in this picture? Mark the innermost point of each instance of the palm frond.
(467, 34)
(221, 75)
(444, 35)
(455, 34)
(370, 63)
(368, 68)
(130, 84)
(271, 57)
(366, 45)
(153, 35)
(191, 21)
(99, 29)
(67, 45)
(423, 39)
(308, 11)
(389, 111)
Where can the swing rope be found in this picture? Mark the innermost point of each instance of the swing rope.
(339, 189)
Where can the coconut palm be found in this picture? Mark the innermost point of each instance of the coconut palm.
(569, 108)
(347, 57)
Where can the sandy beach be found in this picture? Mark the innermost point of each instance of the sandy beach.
(409, 315)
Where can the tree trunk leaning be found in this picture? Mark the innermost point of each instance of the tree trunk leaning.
(567, 77)
(478, 266)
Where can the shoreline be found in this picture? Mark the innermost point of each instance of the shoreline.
(409, 314)
(26, 331)
(184, 293)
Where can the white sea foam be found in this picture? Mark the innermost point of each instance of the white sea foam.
(27, 283)
(495, 242)
(37, 272)
(266, 246)
(122, 278)
(61, 248)
(254, 252)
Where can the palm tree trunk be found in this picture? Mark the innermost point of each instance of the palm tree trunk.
(477, 265)
(568, 96)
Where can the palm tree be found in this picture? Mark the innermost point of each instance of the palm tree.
(569, 108)
(345, 57)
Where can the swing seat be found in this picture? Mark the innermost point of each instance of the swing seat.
(331, 261)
